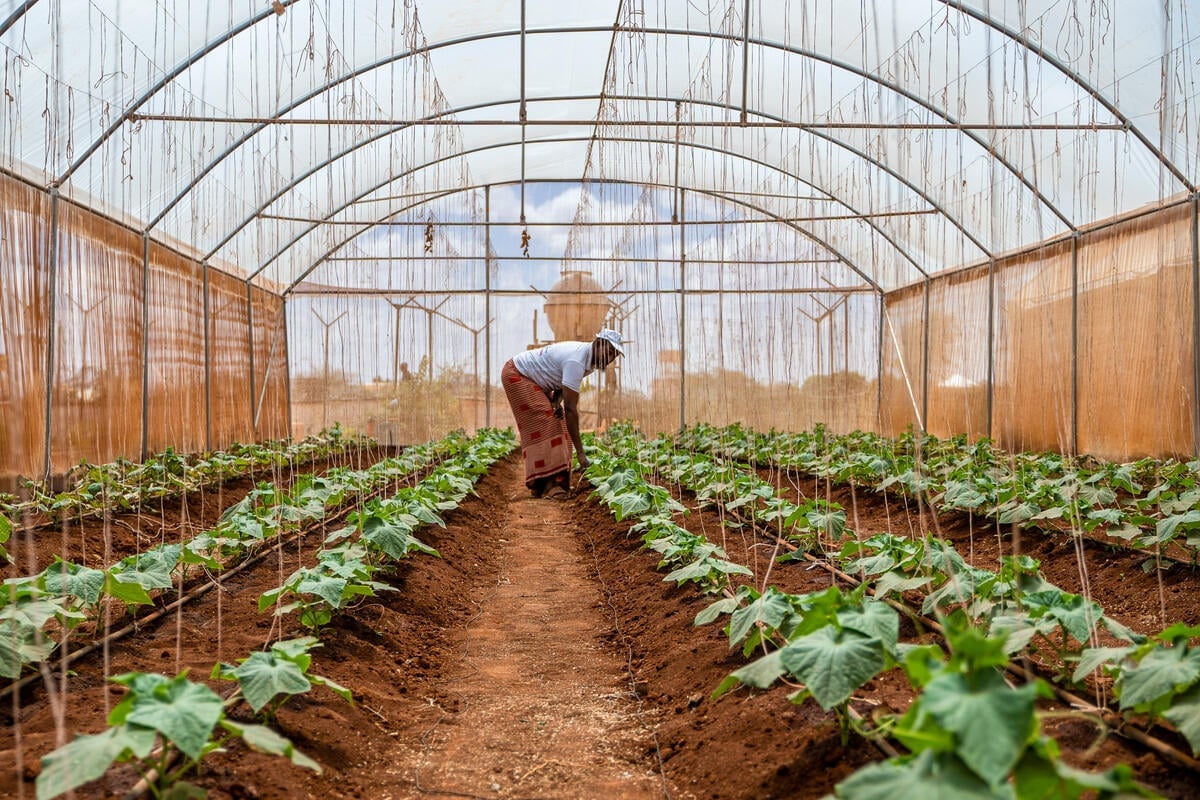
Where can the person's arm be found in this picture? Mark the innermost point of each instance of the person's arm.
(571, 415)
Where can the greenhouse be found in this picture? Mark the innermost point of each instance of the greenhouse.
(684, 398)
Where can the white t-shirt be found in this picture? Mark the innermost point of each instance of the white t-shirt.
(555, 366)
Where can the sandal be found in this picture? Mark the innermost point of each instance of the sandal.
(556, 493)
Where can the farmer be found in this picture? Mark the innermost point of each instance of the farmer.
(542, 386)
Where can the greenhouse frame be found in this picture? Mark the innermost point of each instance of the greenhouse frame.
(410, 327)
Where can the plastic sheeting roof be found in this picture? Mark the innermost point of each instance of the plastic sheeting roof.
(904, 138)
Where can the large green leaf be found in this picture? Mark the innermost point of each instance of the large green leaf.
(21, 644)
(1162, 671)
(265, 740)
(150, 570)
(262, 676)
(874, 618)
(1075, 613)
(65, 578)
(88, 757)
(180, 710)
(771, 609)
(329, 588)
(928, 776)
(396, 540)
(1093, 657)
(832, 664)
(760, 674)
(991, 721)
(1184, 713)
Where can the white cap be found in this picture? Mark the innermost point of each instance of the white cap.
(613, 338)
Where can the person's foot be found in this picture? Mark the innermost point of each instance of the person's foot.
(556, 493)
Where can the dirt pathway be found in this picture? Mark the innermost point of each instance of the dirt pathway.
(544, 707)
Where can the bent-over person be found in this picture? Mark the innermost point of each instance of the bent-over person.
(542, 387)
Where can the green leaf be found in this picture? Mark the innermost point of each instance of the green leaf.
(327, 587)
(64, 578)
(832, 664)
(990, 720)
(1166, 529)
(150, 570)
(928, 776)
(395, 540)
(874, 619)
(262, 676)
(265, 740)
(89, 757)
(771, 609)
(180, 710)
(759, 674)
(1093, 657)
(1184, 714)
(710, 614)
(131, 594)
(898, 582)
(1075, 613)
(1163, 671)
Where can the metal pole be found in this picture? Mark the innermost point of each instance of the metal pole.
(207, 363)
(145, 345)
(429, 339)
(51, 328)
(475, 353)
(682, 317)
(396, 349)
(1074, 441)
(991, 344)
(925, 366)
(250, 329)
(745, 59)
(487, 303)
(879, 367)
(1196, 324)
(287, 358)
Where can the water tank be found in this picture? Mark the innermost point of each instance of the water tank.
(579, 316)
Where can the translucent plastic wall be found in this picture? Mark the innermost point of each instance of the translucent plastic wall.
(119, 322)
(1091, 346)
(728, 318)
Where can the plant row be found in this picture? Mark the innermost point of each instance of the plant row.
(969, 732)
(166, 726)
(40, 611)
(1151, 503)
(1157, 676)
(123, 485)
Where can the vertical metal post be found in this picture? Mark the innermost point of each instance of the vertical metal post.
(745, 57)
(925, 364)
(682, 317)
(429, 340)
(487, 303)
(679, 217)
(51, 328)
(145, 345)
(1196, 324)
(250, 337)
(991, 344)
(207, 363)
(879, 366)
(287, 373)
(1074, 442)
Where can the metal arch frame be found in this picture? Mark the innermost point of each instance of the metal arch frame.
(16, 16)
(903, 180)
(311, 228)
(807, 234)
(1076, 78)
(167, 78)
(802, 52)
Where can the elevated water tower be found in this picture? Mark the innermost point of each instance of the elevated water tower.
(577, 307)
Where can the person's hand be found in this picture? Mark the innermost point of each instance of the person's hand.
(584, 464)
